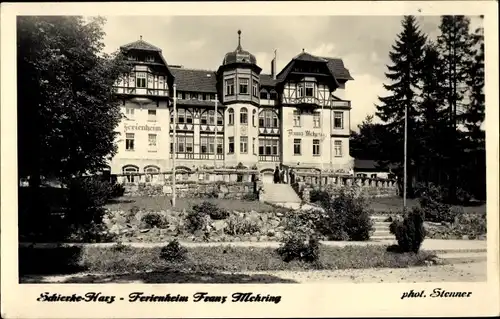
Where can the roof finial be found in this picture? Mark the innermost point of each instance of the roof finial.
(239, 40)
(303, 50)
(140, 37)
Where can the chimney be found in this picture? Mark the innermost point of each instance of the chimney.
(273, 66)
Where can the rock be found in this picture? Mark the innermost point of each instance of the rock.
(163, 232)
(264, 217)
(279, 214)
(236, 239)
(274, 223)
(115, 229)
(253, 239)
(219, 226)
(271, 232)
(263, 238)
(465, 237)
(145, 230)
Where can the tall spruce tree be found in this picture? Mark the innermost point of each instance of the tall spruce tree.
(404, 73)
(473, 116)
(455, 46)
(433, 116)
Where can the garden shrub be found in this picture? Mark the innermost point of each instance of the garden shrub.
(294, 247)
(211, 209)
(346, 217)
(240, 226)
(195, 220)
(152, 219)
(319, 196)
(84, 211)
(432, 201)
(117, 190)
(250, 197)
(174, 252)
(409, 232)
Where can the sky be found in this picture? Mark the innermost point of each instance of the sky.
(200, 42)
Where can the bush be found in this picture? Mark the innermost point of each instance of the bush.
(152, 219)
(174, 252)
(211, 209)
(432, 201)
(410, 231)
(240, 226)
(295, 248)
(319, 196)
(346, 217)
(195, 221)
(117, 190)
(251, 197)
(84, 208)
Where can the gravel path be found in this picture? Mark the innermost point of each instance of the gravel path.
(471, 272)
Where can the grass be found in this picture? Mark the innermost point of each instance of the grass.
(120, 259)
(164, 203)
(395, 204)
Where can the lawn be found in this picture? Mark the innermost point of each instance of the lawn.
(163, 203)
(395, 204)
(119, 259)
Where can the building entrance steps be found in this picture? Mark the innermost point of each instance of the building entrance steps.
(281, 194)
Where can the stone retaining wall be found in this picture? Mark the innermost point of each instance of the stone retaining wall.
(193, 189)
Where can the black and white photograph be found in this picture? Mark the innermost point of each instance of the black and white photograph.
(250, 149)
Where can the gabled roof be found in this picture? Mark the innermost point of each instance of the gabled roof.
(267, 80)
(304, 56)
(140, 45)
(336, 66)
(192, 80)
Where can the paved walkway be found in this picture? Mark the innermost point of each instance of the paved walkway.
(428, 244)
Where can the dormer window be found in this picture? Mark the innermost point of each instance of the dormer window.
(263, 95)
(243, 86)
(150, 58)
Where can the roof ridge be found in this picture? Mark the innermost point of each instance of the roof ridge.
(143, 42)
(174, 67)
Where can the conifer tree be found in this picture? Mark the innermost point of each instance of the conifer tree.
(404, 73)
(433, 115)
(454, 45)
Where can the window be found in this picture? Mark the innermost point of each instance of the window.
(338, 148)
(129, 141)
(274, 96)
(296, 118)
(208, 145)
(300, 90)
(254, 113)
(317, 119)
(263, 95)
(151, 173)
(231, 116)
(243, 86)
(129, 113)
(184, 144)
(244, 116)
(316, 151)
(152, 142)
(255, 88)
(243, 144)
(373, 175)
(141, 79)
(268, 118)
(268, 146)
(296, 146)
(180, 95)
(309, 89)
(200, 97)
(152, 115)
(231, 145)
(220, 145)
(338, 120)
(150, 58)
(230, 87)
(253, 146)
(194, 96)
(212, 97)
(130, 171)
(211, 117)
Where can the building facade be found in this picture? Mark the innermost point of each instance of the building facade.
(234, 116)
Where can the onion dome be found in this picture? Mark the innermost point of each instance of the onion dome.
(239, 55)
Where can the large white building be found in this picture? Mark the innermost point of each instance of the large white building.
(295, 118)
